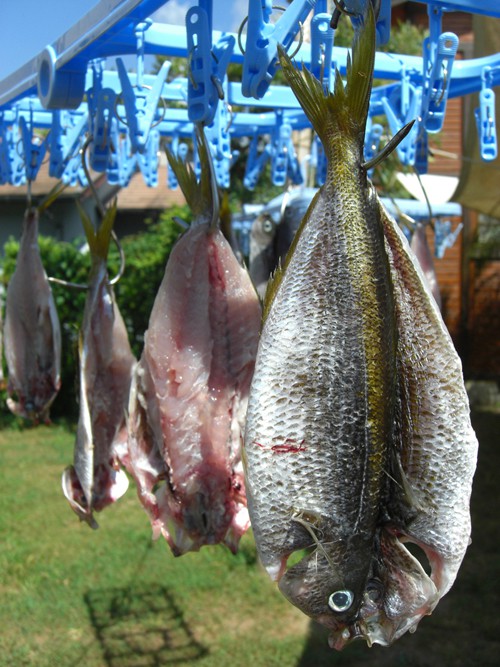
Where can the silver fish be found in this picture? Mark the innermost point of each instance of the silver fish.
(32, 334)
(106, 366)
(190, 393)
(338, 474)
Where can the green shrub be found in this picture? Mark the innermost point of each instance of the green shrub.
(146, 255)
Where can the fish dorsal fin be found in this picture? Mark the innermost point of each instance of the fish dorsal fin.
(345, 109)
(201, 196)
(99, 239)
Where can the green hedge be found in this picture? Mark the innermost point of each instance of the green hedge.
(146, 254)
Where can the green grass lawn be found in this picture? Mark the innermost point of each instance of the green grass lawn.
(73, 597)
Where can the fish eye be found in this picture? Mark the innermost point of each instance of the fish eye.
(267, 225)
(340, 600)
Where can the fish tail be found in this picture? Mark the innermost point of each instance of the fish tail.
(199, 196)
(346, 109)
(99, 239)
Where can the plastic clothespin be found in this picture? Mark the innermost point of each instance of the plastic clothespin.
(6, 152)
(218, 137)
(318, 161)
(321, 49)
(113, 167)
(261, 49)
(444, 237)
(34, 147)
(279, 153)
(207, 64)
(438, 64)
(141, 105)
(422, 152)
(255, 163)
(383, 26)
(392, 105)
(148, 159)
(101, 121)
(486, 119)
(74, 173)
(127, 161)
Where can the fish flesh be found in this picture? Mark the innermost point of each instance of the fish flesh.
(95, 480)
(190, 392)
(32, 334)
(420, 247)
(347, 436)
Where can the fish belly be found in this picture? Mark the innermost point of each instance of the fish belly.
(190, 396)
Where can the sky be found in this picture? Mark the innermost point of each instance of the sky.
(28, 26)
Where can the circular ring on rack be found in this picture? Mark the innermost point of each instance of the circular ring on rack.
(278, 8)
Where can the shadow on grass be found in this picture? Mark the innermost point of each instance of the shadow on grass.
(463, 630)
(141, 626)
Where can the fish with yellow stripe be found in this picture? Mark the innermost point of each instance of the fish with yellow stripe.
(332, 491)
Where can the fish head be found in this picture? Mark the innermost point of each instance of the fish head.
(328, 584)
(378, 604)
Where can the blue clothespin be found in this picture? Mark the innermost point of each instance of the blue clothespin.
(7, 153)
(141, 105)
(68, 143)
(439, 56)
(383, 26)
(34, 147)
(113, 166)
(261, 49)
(74, 173)
(444, 237)
(422, 152)
(393, 108)
(218, 138)
(255, 163)
(101, 119)
(127, 161)
(318, 161)
(148, 159)
(207, 64)
(486, 119)
(321, 49)
(280, 141)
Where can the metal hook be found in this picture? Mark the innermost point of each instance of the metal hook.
(443, 87)
(102, 212)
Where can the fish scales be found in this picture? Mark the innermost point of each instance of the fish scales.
(321, 409)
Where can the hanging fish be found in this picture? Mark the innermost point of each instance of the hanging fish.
(32, 334)
(95, 480)
(332, 456)
(420, 247)
(435, 456)
(189, 400)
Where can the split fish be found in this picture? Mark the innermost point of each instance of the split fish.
(420, 247)
(32, 334)
(351, 417)
(95, 480)
(190, 392)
